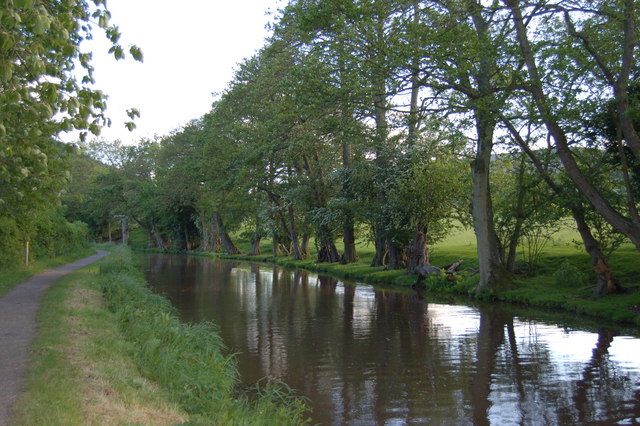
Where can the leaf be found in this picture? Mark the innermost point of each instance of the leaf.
(133, 113)
(136, 53)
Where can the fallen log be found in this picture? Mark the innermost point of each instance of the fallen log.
(425, 270)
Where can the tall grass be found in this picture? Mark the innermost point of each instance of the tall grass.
(189, 360)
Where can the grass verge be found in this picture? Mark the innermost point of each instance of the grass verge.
(80, 371)
(188, 360)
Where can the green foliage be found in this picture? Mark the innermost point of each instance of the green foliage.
(429, 193)
(569, 275)
(45, 88)
(187, 359)
(48, 232)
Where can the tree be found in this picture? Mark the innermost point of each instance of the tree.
(423, 202)
(541, 93)
(42, 94)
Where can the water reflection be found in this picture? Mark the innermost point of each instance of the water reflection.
(367, 356)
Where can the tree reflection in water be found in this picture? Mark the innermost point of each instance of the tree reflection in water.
(367, 356)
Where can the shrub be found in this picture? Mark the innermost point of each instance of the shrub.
(569, 275)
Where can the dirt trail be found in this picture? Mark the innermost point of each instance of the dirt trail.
(18, 328)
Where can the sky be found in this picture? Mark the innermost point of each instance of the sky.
(190, 49)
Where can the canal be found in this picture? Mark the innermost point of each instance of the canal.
(364, 355)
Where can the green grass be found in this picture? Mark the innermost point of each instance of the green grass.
(11, 276)
(80, 371)
(188, 360)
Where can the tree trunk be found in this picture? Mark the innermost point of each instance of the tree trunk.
(349, 239)
(159, 242)
(622, 84)
(306, 237)
(380, 246)
(229, 247)
(381, 149)
(606, 281)
(328, 252)
(395, 256)
(417, 252)
(255, 244)
(493, 273)
(293, 235)
(349, 254)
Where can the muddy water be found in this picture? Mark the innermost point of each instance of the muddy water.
(365, 356)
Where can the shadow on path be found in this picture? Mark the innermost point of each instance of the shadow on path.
(18, 328)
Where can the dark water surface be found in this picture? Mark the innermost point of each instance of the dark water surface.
(367, 356)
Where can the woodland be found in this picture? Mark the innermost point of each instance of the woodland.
(390, 122)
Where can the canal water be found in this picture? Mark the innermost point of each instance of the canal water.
(367, 356)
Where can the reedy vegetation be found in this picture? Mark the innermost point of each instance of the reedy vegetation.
(361, 119)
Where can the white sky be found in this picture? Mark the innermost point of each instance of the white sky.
(190, 49)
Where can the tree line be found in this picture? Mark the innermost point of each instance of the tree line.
(392, 121)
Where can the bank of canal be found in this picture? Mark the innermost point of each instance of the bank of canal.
(364, 355)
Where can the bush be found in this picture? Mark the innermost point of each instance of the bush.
(48, 232)
(569, 275)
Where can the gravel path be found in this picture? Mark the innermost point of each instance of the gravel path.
(18, 328)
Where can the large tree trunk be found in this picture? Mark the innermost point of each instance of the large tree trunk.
(381, 149)
(349, 239)
(229, 247)
(395, 255)
(349, 254)
(620, 223)
(418, 253)
(304, 246)
(380, 246)
(493, 273)
(328, 252)
(159, 241)
(255, 244)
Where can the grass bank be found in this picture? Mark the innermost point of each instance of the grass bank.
(109, 351)
(561, 278)
(190, 361)
(81, 371)
(15, 274)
